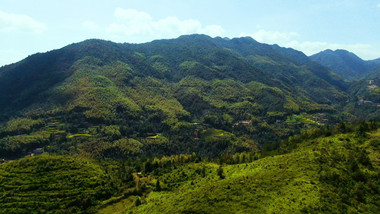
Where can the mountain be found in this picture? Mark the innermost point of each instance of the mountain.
(373, 63)
(373, 74)
(241, 59)
(103, 91)
(188, 125)
(345, 63)
(365, 94)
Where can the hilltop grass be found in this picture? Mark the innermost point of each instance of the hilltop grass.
(272, 184)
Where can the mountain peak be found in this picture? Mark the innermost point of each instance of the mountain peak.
(342, 62)
(245, 39)
(328, 51)
(341, 51)
(195, 37)
(346, 53)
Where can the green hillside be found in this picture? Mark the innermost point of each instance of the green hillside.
(53, 184)
(336, 174)
(103, 92)
(365, 94)
(319, 171)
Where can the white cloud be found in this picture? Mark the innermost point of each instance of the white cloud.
(90, 25)
(272, 37)
(213, 30)
(289, 39)
(172, 25)
(142, 27)
(19, 22)
(378, 5)
(132, 15)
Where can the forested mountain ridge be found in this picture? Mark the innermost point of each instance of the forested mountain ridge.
(345, 63)
(24, 80)
(365, 96)
(41, 71)
(104, 91)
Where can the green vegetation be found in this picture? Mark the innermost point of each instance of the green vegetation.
(321, 170)
(53, 184)
(188, 125)
(98, 93)
(332, 174)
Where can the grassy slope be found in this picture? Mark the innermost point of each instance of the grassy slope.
(120, 207)
(261, 186)
(315, 177)
(55, 184)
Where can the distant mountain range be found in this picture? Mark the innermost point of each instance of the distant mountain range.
(345, 63)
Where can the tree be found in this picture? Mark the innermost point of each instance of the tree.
(148, 166)
(137, 202)
(203, 171)
(220, 172)
(341, 127)
(158, 185)
(362, 129)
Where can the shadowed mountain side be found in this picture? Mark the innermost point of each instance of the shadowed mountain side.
(345, 63)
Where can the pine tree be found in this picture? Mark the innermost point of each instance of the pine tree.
(137, 202)
(220, 172)
(158, 185)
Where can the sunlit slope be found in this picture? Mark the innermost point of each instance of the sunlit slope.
(331, 174)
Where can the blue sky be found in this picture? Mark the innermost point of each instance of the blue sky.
(31, 26)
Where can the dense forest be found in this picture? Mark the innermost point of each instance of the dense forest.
(188, 125)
